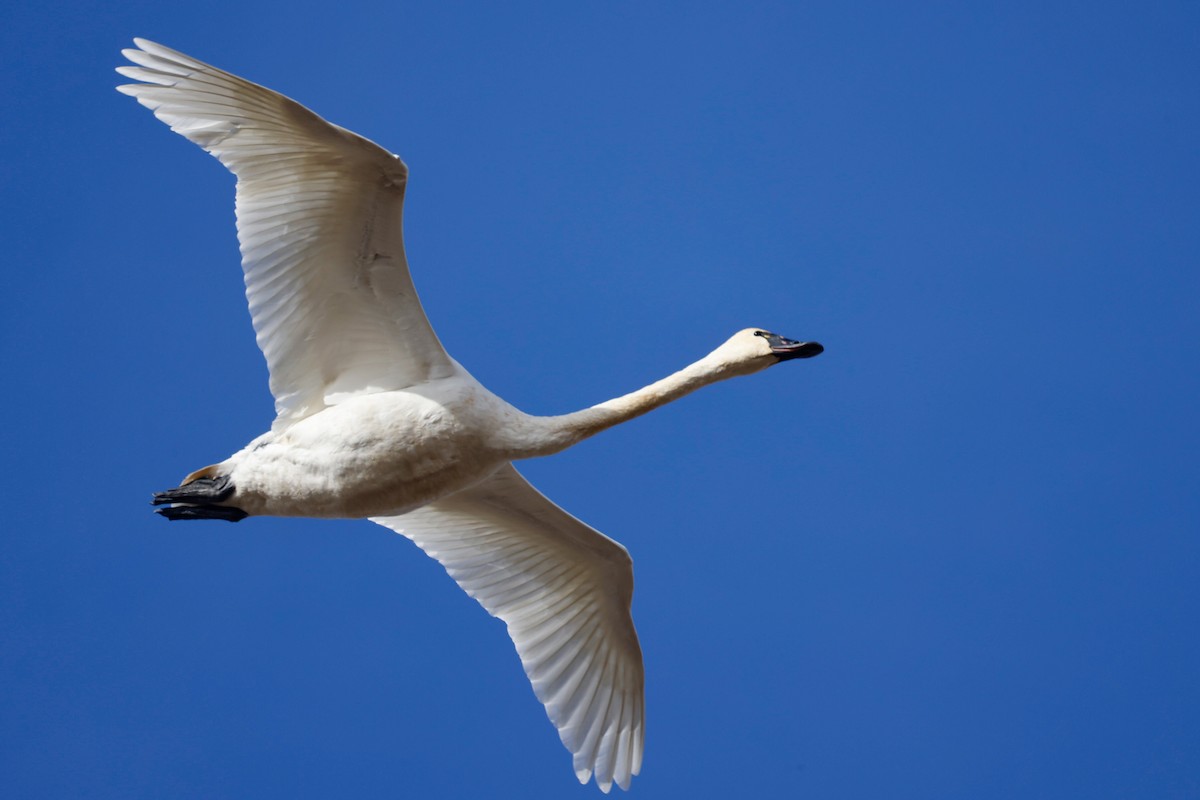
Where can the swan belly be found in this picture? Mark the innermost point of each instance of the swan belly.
(372, 455)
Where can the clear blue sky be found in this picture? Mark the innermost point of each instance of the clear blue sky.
(958, 555)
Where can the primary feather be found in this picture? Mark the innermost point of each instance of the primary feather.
(319, 222)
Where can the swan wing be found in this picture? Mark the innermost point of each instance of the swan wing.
(564, 590)
(319, 223)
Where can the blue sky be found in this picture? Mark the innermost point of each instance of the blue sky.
(958, 555)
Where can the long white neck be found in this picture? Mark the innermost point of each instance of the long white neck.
(559, 432)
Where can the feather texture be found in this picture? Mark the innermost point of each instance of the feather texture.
(319, 222)
(564, 591)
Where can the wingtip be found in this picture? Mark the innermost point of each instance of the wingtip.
(584, 775)
(146, 47)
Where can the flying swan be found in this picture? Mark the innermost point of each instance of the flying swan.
(374, 419)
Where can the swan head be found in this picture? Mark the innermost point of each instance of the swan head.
(755, 349)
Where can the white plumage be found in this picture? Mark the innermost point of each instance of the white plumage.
(374, 419)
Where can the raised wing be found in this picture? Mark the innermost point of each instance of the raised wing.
(564, 591)
(318, 217)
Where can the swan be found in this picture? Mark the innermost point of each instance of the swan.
(374, 419)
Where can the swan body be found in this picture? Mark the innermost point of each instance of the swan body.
(379, 454)
(375, 420)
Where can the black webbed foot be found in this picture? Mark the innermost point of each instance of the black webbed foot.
(201, 490)
(227, 513)
(199, 499)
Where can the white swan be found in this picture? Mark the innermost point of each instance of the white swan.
(375, 420)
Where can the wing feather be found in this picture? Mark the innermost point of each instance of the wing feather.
(564, 591)
(319, 222)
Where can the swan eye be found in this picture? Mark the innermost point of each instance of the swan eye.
(761, 333)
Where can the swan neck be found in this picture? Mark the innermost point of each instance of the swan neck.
(567, 429)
